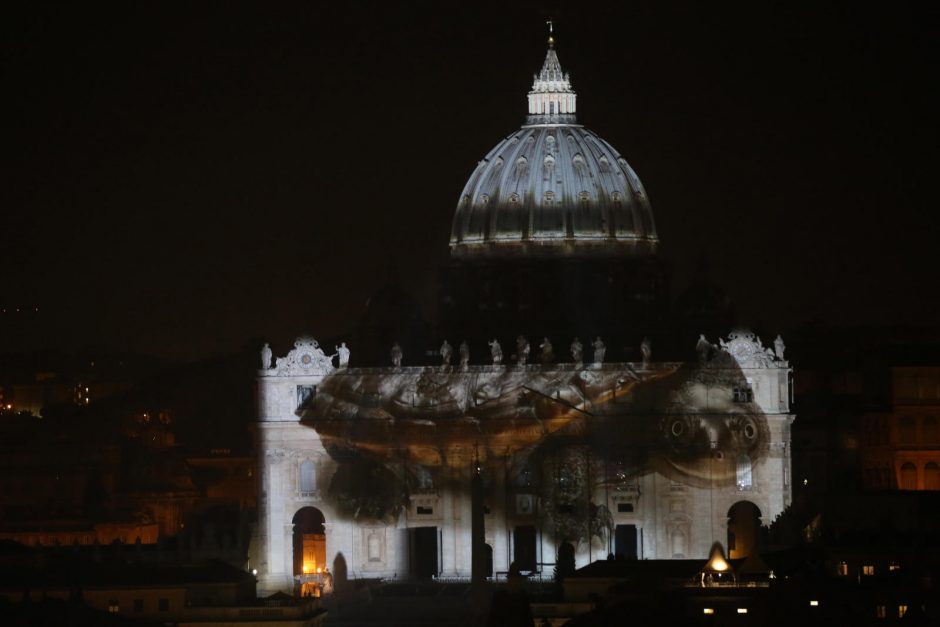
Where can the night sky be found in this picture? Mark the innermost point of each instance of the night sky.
(182, 180)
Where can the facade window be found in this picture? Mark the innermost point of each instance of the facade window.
(908, 429)
(138, 605)
(425, 511)
(881, 611)
(163, 605)
(113, 606)
(908, 476)
(624, 508)
(307, 477)
(744, 473)
(305, 394)
(868, 569)
(931, 476)
(929, 429)
(894, 567)
(902, 610)
(743, 394)
(843, 569)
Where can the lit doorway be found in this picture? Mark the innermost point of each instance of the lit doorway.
(743, 529)
(309, 541)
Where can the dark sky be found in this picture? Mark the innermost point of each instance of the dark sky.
(181, 179)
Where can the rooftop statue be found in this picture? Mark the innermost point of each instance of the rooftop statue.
(343, 352)
(266, 355)
(396, 355)
(497, 352)
(464, 355)
(779, 347)
(600, 351)
(646, 351)
(548, 355)
(522, 350)
(446, 352)
(577, 351)
(703, 348)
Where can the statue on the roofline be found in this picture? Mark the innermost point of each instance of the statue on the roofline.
(446, 352)
(548, 355)
(396, 355)
(600, 351)
(522, 350)
(577, 351)
(464, 355)
(343, 352)
(703, 348)
(496, 351)
(646, 350)
(266, 355)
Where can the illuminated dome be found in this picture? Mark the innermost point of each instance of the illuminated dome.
(553, 188)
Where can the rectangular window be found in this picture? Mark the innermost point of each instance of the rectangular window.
(425, 511)
(868, 569)
(138, 605)
(163, 605)
(113, 606)
(902, 610)
(881, 611)
(624, 508)
(308, 476)
(893, 567)
(305, 395)
(843, 569)
(743, 394)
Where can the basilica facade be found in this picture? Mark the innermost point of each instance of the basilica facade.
(367, 471)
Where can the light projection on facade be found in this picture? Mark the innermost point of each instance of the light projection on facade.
(641, 459)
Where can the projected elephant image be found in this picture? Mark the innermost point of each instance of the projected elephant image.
(563, 431)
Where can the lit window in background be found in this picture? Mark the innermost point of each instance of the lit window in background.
(742, 610)
(708, 610)
(868, 569)
(902, 610)
(880, 611)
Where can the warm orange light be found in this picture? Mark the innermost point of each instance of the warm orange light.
(319, 570)
(716, 559)
(306, 570)
(742, 610)
(718, 563)
(814, 603)
(708, 610)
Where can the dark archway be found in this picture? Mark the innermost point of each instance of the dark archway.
(309, 540)
(743, 529)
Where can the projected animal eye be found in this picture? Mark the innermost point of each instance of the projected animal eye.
(750, 431)
(677, 428)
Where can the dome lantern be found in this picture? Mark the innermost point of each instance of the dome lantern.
(551, 100)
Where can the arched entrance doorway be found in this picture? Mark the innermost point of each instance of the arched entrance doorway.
(743, 528)
(309, 541)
